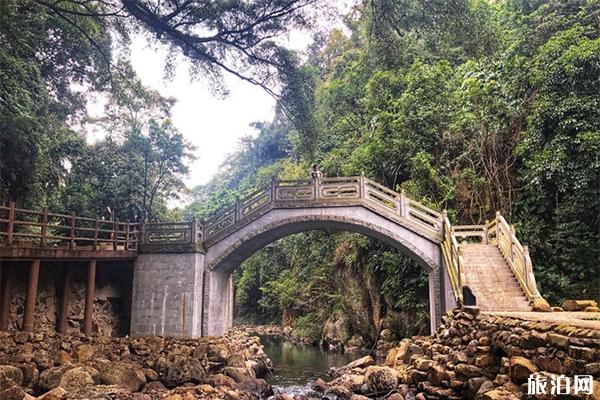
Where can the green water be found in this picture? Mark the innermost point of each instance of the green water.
(297, 366)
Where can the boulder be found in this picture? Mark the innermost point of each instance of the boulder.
(497, 394)
(363, 362)
(259, 387)
(381, 379)
(12, 393)
(84, 353)
(50, 378)
(319, 385)
(55, 394)
(337, 393)
(578, 305)
(121, 374)
(468, 371)
(13, 373)
(75, 379)
(101, 392)
(520, 369)
(237, 374)
(181, 369)
(351, 382)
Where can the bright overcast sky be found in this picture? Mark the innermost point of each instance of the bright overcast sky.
(212, 124)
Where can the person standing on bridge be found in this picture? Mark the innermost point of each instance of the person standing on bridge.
(315, 173)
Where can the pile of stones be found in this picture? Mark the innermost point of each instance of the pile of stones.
(473, 356)
(54, 367)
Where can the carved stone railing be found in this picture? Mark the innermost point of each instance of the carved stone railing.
(499, 233)
(323, 192)
(453, 260)
(171, 237)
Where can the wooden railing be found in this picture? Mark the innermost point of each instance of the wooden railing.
(453, 259)
(42, 229)
(322, 192)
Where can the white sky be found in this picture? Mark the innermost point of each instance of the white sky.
(212, 124)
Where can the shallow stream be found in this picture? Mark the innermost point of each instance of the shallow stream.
(298, 366)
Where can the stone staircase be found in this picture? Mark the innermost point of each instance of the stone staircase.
(491, 280)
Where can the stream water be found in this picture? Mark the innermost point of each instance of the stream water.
(298, 366)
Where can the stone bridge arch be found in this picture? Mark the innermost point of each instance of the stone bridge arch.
(223, 256)
(199, 259)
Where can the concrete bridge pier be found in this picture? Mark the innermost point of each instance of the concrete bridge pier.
(167, 294)
(218, 306)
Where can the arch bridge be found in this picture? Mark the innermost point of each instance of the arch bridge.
(182, 278)
(182, 283)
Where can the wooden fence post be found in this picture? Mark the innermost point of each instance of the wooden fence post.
(96, 227)
(127, 229)
(45, 227)
(72, 233)
(403, 205)
(11, 223)
(89, 298)
(115, 233)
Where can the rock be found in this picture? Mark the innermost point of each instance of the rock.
(220, 380)
(50, 378)
(337, 392)
(355, 341)
(319, 385)
(258, 387)
(381, 379)
(395, 396)
(237, 374)
(578, 305)
(360, 397)
(12, 393)
(406, 351)
(592, 309)
(423, 364)
(497, 394)
(84, 353)
(437, 374)
(351, 382)
(75, 379)
(55, 394)
(468, 371)
(155, 386)
(520, 369)
(120, 374)
(101, 392)
(473, 386)
(363, 362)
(486, 386)
(180, 369)
(557, 309)
(541, 305)
(13, 373)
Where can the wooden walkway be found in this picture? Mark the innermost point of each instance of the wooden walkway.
(32, 237)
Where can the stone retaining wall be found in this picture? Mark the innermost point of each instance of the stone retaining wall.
(475, 356)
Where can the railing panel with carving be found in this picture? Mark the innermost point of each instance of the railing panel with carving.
(254, 201)
(224, 220)
(294, 190)
(339, 188)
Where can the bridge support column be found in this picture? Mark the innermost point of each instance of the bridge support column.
(61, 326)
(90, 294)
(6, 295)
(167, 294)
(218, 303)
(32, 285)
